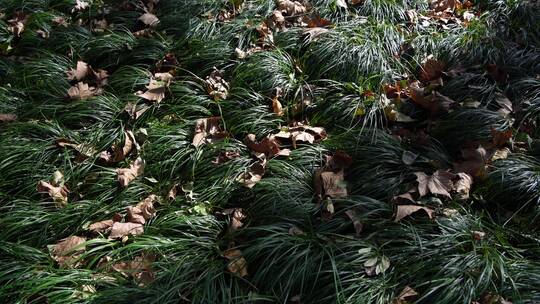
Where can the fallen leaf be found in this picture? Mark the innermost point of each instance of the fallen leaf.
(80, 5)
(7, 117)
(236, 216)
(406, 210)
(405, 296)
(59, 20)
(277, 107)
(291, 8)
(101, 226)
(117, 153)
(17, 24)
(121, 230)
(431, 69)
(100, 76)
(255, 173)
(478, 235)
(334, 184)
(82, 91)
(340, 160)
(268, 146)
(55, 189)
(149, 19)
(143, 211)
(237, 263)
(358, 226)
(140, 269)
(500, 154)
(463, 185)
(216, 86)
(80, 72)
(126, 175)
(442, 5)
(474, 162)
(67, 251)
(302, 133)
(207, 130)
(501, 138)
(157, 87)
(225, 156)
(438, 183)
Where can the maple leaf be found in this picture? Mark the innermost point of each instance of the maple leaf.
(140, 269)
(438, 183)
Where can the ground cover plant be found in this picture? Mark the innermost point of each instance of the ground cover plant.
(270, 151)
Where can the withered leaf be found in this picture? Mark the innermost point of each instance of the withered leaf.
(225, 156)
(216, 86)
(405, 295)
(120, 230)
(80, 72)
(7, 117)
(438, 183)
(334, 184)
(406, 210)
(478, 235)
(140, 269)
(340, 160)
(67, 251)
(157, 87)
(237, 263)
(101, 226)
(442, 5)
(143, 211)
(431, 69)
(80, 5)
(291, 8)
(463, 185)
(120, 153)
(207, 130)
(277, 108)
(501, 138)
(253, 175)
(358, 226)
(268, 146)
(82, 91)
(126, 175)
(55, 189)
(500, 154)
(474, 162)
(149, 19)
(236, 216)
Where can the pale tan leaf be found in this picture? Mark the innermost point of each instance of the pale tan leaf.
(149, 19)
(143, 211)
(120, 230)
(101, 226)
(463, 185)
(406, 210)
(237, 263)
(7, 117)
(80, 72)
(334, 184)
(126, 175)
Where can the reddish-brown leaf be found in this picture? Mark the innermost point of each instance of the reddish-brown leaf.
(406, 210)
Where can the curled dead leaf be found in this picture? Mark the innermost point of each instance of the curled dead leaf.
(140, 269)
(406, 295)
(438, 183)
(463, 185)
(101, 226)
(237, 263)
(7, 117)
(208, 130)
(236, 216)
(126, 175)
(431, 69)
(157, 87)
(291, 8)
(216, 86)
(255, 173)
(121, 230)
(82, 91)
(80, 72)
(149, 19)
(406, 210)
(225, 156)
(117, 153)
(333, 184)
(67, 251)
(143, 211)
(55, 189)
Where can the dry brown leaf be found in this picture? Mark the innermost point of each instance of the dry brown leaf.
(59, 20)
(67, 251)
(17, 24)
(135, 111)
(7, 117)
(140, 269)
(143, 211)
(157, 87)
(56, 190)
(80, 72)
(101, 226)
(478, 235)
(333, 184)
(277, 108)
(82, 91)
(216, 86)
(117, 153)
(149, 19)
(500, 154)
(237, 263)
(121, 230)
(406, 210)
(268, 146)
(438, 183)
(236, 216)
(358, 226)
(474, 162)
(126, 175)
(405, 296)
(431, 69)
(463, 185)
(302, 133)
(80, 5)
(291, 8)
(501, 138)
(207, 130)
(314, 32)
(442, 5)
(101, 77)
(225, 156)
(254, 174)
(340, 160)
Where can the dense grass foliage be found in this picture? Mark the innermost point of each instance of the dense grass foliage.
(405, 94)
